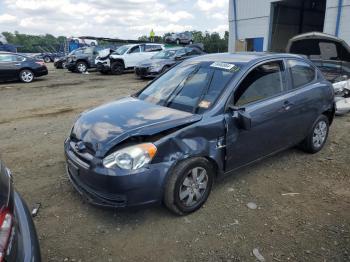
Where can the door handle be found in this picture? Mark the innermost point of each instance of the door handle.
(17, 64)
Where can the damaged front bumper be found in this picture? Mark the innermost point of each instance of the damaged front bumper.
(115, 188)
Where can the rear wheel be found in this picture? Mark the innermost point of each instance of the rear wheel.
(26, 76)
(64, 65)
(317, 137)
(47, 59)
(189, 186)
(81, 67)
(117, 68)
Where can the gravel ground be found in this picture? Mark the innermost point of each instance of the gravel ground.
(313, 225)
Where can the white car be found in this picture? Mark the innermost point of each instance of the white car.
(126, 57)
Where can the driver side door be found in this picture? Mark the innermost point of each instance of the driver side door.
(133, 56)
(261, 99)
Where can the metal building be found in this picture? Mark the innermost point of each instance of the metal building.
(267, 25)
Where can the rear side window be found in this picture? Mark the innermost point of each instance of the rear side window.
(301, 72)
(266, 80)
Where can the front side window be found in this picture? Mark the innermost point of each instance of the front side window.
(301, 72)
(135, 49)
(266, 80)
(192, 87)
(165, 54)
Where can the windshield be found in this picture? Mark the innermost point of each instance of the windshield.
(191, 87)
(165, 54)
(121, 50)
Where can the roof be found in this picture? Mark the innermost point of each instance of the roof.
(241, 57)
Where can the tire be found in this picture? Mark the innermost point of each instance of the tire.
(81, 67)
(180, 189)
(117, 68)
(64, 65)
(26, 76)
(317, 137)
(47, 59)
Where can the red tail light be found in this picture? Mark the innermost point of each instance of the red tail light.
(42, 63)
(6, 224)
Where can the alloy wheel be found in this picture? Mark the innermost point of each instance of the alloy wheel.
(27, 76)
(193, 186)
(320, 134)
(81, 67)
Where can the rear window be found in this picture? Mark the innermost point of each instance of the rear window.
(301, 72)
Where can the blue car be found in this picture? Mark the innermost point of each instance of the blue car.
(202, 120)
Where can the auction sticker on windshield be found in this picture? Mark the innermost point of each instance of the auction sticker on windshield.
(227, 66)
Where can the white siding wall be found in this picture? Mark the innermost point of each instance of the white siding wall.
(331, 18)
(253, 20)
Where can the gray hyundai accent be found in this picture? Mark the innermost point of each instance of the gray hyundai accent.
(201, 120)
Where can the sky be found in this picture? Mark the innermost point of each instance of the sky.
(125, 19)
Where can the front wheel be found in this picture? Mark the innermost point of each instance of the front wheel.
(317, 137)
(117, 68)
(189, 186)
(81, 67)
(26, 76)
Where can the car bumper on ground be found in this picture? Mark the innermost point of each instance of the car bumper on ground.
(147, 71)
(27, 244)
(115, 188)
(41, 71)
(71, 66)
(103, 67)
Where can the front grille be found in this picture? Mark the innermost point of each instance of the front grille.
(141, 70)
(99, 198)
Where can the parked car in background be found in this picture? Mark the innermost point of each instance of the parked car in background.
(18, 238)
(82, 59)
(60, 63)
(201, 120)
(16, 66)
(127, 57)
(329, 53)
(180, 38)
(162, 61)
(103, 59)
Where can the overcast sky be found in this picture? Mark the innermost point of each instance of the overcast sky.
(127, 19)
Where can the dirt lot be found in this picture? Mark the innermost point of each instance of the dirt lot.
(313, 225)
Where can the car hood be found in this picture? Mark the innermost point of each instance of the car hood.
(153, 61)
(104, 127)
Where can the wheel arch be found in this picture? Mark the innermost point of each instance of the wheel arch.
(330, 113)
(120, 60)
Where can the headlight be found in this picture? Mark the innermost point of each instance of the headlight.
(155, 66)
(132, 157)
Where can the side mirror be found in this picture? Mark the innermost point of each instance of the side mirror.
(242, 118)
